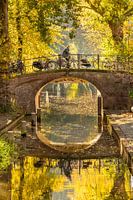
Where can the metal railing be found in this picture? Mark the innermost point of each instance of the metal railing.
(74, 61)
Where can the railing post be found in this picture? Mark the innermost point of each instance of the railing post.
(60, 61)
(79, 60)
(98, 61)
(24, 66)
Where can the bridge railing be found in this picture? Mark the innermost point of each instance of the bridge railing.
(74, 61)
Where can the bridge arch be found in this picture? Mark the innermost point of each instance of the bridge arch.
(114, 87)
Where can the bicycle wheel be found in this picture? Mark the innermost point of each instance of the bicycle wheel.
(36, 66)
(52, 65)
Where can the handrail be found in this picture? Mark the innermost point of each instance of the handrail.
(74, 61)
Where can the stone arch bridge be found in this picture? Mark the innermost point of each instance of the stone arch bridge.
(114, 87)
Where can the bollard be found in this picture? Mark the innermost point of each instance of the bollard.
(33, 119)
(24, 131)
(47, 99)
(100, 114)
(39, 115)
(100, 127)
(100, 105)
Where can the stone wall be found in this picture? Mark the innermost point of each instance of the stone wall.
(114, 87)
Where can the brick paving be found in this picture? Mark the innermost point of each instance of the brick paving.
(122, 126)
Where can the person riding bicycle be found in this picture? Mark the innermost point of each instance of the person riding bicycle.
(20, 66)
(66, 53)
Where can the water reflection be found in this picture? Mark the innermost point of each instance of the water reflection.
(65, 179)
(69, 113)
(65, 128)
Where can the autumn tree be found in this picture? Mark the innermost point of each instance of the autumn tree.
(4, 39)
(114, 13)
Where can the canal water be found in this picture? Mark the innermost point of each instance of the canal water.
(33, 178)
(69, 114)
(48, 164)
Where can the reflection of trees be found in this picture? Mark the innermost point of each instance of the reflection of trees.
(35, 181)
(99, 179)
(70, 95)
(6, 150)
(21, 178)
(118, 191)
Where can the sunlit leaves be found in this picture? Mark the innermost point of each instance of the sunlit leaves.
(37, 182)
(5, 154)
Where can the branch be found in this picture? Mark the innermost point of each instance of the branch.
(97, 7)
(86, 7)
(129, 12)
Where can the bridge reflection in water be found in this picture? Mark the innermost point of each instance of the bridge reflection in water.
(69, 115)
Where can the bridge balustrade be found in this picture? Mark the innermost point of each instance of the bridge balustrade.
(75, 61)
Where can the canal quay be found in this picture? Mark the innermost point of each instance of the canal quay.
(120, 125)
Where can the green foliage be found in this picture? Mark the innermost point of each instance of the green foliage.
(106, 20)
(51, 14)
(39, 28)
(6, 151)
(131, 93)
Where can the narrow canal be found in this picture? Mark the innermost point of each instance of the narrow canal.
(69, 154)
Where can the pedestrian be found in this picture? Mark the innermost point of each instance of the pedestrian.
(66, 53)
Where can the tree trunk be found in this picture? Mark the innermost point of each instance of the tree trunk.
(4, 39)
(4, 54)
(117, 32)
(19, 30)
(4, 19)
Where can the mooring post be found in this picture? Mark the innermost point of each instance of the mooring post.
(100, 113)
(100, 105)
(39, 100)
(47, 99)
(39, 115)
(33, 119)
(98, 61)
(79, 163)
(24, 131)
